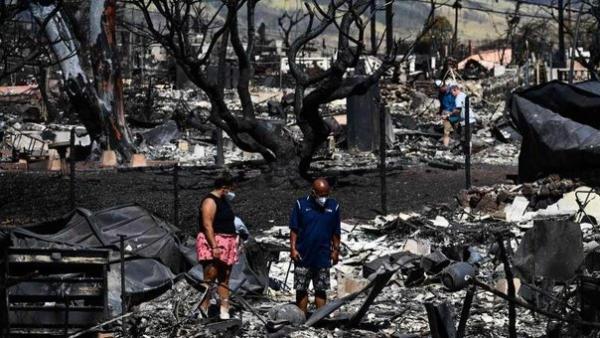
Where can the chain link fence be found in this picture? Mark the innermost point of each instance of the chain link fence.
(172, 193)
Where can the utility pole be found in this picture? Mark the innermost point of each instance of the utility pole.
(456, 7)
(389, 26)
(561, 35)
(572, 61)
(373, 26)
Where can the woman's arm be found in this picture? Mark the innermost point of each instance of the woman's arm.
(209, 209)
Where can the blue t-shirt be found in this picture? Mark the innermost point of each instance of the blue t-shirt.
(447, 101)
(315, 227)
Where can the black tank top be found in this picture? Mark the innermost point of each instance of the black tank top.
(224, 216)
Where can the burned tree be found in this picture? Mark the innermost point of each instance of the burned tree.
(19, 48)
(287, 22)
(585, 33)
(99, 103)
(222, 27)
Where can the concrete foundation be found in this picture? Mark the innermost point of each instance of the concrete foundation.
(108, 159)
(138, 160)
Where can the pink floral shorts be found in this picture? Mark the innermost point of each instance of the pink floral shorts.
(227, 243)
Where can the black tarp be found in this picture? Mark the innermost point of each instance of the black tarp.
(152, 249)
(147, 235)
(560, 125)
(154, 254)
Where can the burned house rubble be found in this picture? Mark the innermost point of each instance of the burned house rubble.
(299, 169)
(430, 271)
(509, 257)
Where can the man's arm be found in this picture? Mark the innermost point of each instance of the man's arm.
(335, 250)
(460, 104)
(336, 238)
(294, 226)
(293, 252)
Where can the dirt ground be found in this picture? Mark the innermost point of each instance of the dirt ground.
(27, 198)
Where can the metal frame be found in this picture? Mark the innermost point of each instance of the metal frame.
(42, 284)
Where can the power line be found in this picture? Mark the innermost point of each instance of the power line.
(489, 10)
(549, 5)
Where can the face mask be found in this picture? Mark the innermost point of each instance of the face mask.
(230, 195)
(321, 201)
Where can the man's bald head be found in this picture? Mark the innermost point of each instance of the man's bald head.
(321, 187)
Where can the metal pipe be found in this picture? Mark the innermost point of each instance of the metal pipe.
(466, 311)
(176, 195)
(220, 156)
(123, 302)
(72, 169)
(512, 311)
(467, 144)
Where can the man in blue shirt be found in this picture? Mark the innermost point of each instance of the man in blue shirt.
(314, 242)
(447, 106)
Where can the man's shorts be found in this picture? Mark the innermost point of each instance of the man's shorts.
(448, 128)
(319, 277)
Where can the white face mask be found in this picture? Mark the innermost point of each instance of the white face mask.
(230, 195)
(321, 201)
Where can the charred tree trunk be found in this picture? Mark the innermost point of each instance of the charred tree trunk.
(101, 114)
(50, 112)
(77, 86)
(246, 131)
(107, 74)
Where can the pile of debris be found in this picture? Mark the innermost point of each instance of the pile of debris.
(402, 274)
(418, 128)
(551, 196)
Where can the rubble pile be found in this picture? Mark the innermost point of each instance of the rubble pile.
(511, 202)
(418, 128)
(421, 250)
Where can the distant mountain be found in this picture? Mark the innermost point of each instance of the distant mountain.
(474, 23)
(478, 20)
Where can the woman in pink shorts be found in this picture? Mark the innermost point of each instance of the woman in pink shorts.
(216, 244)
